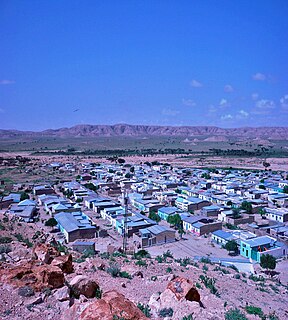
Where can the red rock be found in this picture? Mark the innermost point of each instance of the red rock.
(183, 289)
(112, 304)
(64, 263)
(38, 277)
(83, 285)
(45, 253)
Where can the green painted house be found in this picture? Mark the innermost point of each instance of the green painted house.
(253, 248)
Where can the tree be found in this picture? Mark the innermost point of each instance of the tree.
(266, 165)
(154, 216)
(175, 220)
(51, 223)
(261, 186)
(267, 261)
(246, 206)
(121, 161)
(24, 196)
(236, 213)
(231, 245)
(229, 203)
(285, 189)
(262, 212)
(132, 169)
(128, 175)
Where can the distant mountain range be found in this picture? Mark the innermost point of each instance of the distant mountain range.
(275, 133)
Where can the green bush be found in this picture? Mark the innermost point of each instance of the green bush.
(142, 254)
(209, 283)
(114, 270)
(235, 314)
(166, 312)
(169, 270)
(141, 263)
(5, 239)
(254, 310)
(125, 274)
(145, 309)
(189, 317)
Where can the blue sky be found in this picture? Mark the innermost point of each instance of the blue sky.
(162, 62)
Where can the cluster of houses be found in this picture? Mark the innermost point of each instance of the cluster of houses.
(209, 202)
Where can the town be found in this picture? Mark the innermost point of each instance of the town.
(157, 207)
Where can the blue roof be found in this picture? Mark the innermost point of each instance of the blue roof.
(259, 241)
(70, 223)
(222, 234)
(168, 210)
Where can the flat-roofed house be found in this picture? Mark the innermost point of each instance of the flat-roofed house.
(75, 225)
(154, 235)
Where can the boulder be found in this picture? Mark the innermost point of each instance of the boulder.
(183, 289)
(62, 294)
(113, 304)
(37, 277)
(83, 285)
(49, 276)
(45, 253)
(64, 263)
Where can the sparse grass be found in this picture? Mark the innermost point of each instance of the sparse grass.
(145, 309)
(235, 314)
(166, 312)
(209, 283)
(254, 310)
(141, 263)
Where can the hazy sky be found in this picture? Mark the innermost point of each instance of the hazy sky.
(162, 62)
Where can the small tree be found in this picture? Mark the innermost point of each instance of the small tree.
(24, 196)
(262, 212)
(236, 213)
(246, 206)
(121, 161)
(154, 216)
(266, 165)
(268, 262)
(231, 245)
(51, 223)
(285, 189)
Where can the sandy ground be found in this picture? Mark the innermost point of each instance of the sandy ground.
(176, 160)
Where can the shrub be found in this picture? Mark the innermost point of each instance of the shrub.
(209, 283)
(189, 317)
(5, 239)
(167, 254)
(105, 255)
(98, 293)
(142, 254)
(254, 310)
(198, 285)
(159, 259)
(114, 270)
(205, 268)
(256, 279)
(125, 274)
(26, 291)
(5, 248)
(169, 270)
(166, 312)
(141, 263)
(235, 314)
(145, 309)
(205, 260)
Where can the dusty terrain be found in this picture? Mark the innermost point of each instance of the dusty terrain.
(142, 282)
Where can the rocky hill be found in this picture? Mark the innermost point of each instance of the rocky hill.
(277, 133)
(42, 280)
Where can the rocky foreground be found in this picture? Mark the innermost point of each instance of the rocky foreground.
(42, 280)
